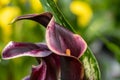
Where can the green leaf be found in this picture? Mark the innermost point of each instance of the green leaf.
(92, 71)
(91, 67)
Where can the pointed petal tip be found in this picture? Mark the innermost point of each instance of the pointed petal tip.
(42, 18)
(4, 50)
(12, 22)
(33, 67)
(39, 72)
(26, 16)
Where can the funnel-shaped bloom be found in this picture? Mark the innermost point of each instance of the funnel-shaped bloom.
(58, 58)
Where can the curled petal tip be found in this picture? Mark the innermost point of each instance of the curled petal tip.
(39, 72)
(43, 18)
(11, 22)
(27, 16)
(4, 50)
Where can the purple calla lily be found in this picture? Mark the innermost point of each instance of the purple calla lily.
(58, 58)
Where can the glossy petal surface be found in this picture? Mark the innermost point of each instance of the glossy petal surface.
(59, 40)
(17, 49)
(53, 67)
(71, 69)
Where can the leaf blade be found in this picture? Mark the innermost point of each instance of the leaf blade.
(90, 63)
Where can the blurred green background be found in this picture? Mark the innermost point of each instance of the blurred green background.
(97, 21)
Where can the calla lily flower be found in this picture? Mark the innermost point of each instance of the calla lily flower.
(58, 58)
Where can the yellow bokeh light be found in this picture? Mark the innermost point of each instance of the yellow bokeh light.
(36, 5)
(82, 10)
(4, 2)
(6, 16)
